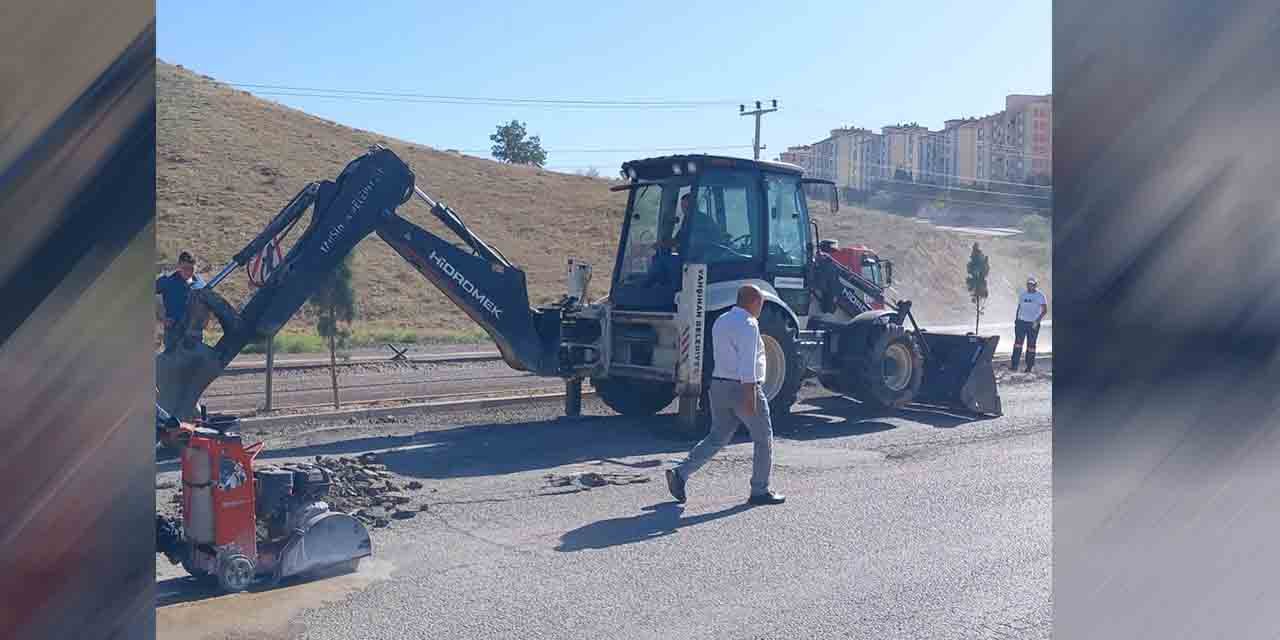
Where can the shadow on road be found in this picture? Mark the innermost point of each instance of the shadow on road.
(505, 448)
(660, 520)
(190, 589)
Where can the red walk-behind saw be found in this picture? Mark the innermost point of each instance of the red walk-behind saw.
(240, 524)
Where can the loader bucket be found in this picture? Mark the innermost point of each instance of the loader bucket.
(958, 372)
(330, 540)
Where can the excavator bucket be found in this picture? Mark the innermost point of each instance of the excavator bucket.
(328, 541)
(958, 372)
(182, 375)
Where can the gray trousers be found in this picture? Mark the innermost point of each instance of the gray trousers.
(726, 413)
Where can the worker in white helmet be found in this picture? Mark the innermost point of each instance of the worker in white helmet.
(1032, 307)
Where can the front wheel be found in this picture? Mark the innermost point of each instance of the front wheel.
(891, 374)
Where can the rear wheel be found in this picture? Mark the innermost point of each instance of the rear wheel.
(634, 397)
(784, 372)
(890, 377)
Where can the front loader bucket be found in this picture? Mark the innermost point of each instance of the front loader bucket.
(329, 540)
(958, 372)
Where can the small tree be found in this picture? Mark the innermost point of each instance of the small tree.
(979, 266)
(512, 144)
(334, 303)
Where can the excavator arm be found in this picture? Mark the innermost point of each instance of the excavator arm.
(362, 200)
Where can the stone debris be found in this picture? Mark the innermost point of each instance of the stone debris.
(594, 479)
(361, 486)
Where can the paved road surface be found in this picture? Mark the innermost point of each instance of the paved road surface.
(918, 525)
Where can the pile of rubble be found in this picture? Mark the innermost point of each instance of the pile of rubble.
(365, 488)
(360, 486)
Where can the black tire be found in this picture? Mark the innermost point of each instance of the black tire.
(633, 397)
(892, 348)
(235, 573)
(776, 325)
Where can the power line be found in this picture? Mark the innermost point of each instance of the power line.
(947, 188)
(649, 150)
(924, 172)
(395, 95)
(508, 105)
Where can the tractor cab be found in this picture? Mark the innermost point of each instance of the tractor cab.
(744, 219)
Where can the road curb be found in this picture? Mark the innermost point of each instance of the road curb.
(406, 409)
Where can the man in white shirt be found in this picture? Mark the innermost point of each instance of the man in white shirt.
(1032, 307)
(736, 395)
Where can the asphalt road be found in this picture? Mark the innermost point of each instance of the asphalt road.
(917, 525)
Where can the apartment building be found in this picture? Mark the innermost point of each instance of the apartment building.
(904, 151)
(799, 155)
(1035, 133)
(1012, 146)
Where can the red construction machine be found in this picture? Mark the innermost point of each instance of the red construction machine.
(240, 524)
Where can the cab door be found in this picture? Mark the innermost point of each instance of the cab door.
(788, 249)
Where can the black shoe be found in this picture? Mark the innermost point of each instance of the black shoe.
(1028, 370)
(675, 484)
(767, 497)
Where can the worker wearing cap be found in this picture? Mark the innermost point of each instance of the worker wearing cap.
(173, 290)
(736, 395)
(1032, 307)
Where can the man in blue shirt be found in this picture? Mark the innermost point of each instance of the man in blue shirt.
(173, 290)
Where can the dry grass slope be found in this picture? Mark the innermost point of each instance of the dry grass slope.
(228, 161)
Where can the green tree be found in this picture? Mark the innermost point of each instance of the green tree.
(335, 304)
(513, 144)
(978, 268)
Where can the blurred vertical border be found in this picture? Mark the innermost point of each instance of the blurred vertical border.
(1166, 479)
(77, 211)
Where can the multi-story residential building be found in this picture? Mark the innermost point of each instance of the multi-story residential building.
(1035, 128)
(961, 165)
(903, 150)
(800, 155)
(824, 158)
(1011, 146)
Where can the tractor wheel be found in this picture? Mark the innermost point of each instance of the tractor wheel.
(633, 397)
(784, 372)
(894, 367)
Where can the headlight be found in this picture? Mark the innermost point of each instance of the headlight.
(692, 167)
(675, 168)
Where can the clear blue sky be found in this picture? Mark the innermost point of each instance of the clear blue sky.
(829, 64)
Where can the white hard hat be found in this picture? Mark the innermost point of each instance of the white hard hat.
(1032, 280)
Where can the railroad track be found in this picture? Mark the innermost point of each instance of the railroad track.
(529, 393)
(365, 386)
(248, 367)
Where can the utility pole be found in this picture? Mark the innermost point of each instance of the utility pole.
(742, 111)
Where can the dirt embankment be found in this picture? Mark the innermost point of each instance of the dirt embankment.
(228, 161)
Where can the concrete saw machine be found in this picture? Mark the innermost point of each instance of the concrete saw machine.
(243, 524)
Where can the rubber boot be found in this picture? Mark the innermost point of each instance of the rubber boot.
(1031, 359)
(1017, 355)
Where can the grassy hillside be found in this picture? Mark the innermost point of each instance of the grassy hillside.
(227, 162)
